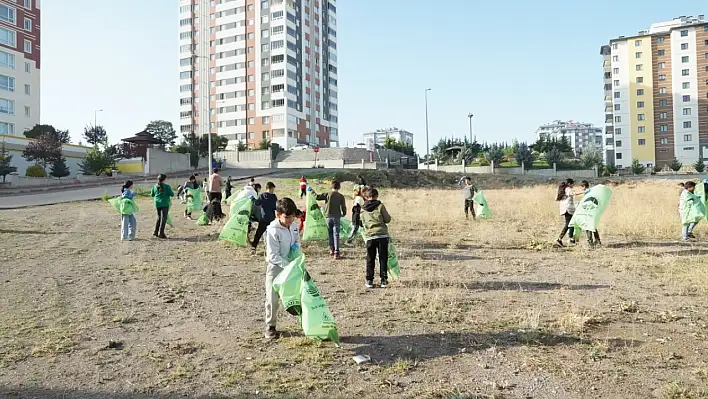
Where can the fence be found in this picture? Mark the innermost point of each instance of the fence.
(583, 173)
(244, 159)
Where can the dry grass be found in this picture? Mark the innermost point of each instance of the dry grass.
(485, 309)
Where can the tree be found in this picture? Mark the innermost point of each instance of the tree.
(95, 135)
(611, 169)
(162, 130)
(6, 162)
(59, 168)
(241, 146)
(675, 165)
(523, 155)
(494, 155)
(699, 166)
(263, 145)
(218, 143)
(591, 158)
(44, 150)
(554, 156)
(96, 162)
(395, 145)
(637, 168)
(39, 130)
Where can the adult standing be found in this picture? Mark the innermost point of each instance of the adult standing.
(215, 186)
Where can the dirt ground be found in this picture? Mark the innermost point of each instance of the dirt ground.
(484, 309)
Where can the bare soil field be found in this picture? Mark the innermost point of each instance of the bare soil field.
(483, 309)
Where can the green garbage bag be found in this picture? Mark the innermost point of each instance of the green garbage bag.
(345, 227)
(317, 320)
(194, 199)
(115, 203)
(315, 224)
(483, 211)
(590, 209)
(124, 206)
(236, 229)
(700, 191)
(694, 210)
(287, 285)
(394, 269)
(203, 220)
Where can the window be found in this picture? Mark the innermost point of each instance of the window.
(28, 90)
(615, 58)
(687, 111)
(618, 119)
(684, 59)
(664, 115)
(688, 148)
(8, 37)
(686, 85)
(687, 124)
(664, 140)
(640, 92)
(617, 83)
(7, 83)
(641, 129)
(7, 14)
(616, 71)
(637, 43)
(265, 76)
(640, 117)
(251, 121)
(662, 90)
(640, 80)
(27, 67)
(662, 65)
(618, 131)
(7, 128)
(618, 143)
(27, 111)
(639, 67)
(614, 46)
(642, 141)
(685, 72)
(687, 137)
(7, 106)
(640, 104)
(661, 52)
(28, 3)
(663, 128)
(660, 40)
(618, 155)
(265, 33)
(617, 106)
(28, 24)
(266, 120)
(686, 98)
(7, 60)
(638, 54)
(251, 135)
(684, 33)
(684, 46)
(664, 102)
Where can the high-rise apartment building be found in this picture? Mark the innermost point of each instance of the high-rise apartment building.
(259, 69)
(19, 65)
(581, 136)
(378, 137)
(656, 94)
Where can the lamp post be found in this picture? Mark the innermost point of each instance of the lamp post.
(427, 139)
(207, 114)
(95, 117)
(470, 116)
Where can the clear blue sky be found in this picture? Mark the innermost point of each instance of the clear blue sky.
(514, 64)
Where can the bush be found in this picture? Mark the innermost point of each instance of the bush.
(35, 171)
(611, 169)
(675, 165)
(484, 162)
(658, 168)
(699, 166)
(637, 168)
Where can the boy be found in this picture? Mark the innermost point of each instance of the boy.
(281, 236)
(303, 186)
(468, 192)
(375, 217)
(593, 236)
(335, 209)
(266, 205)
(687, 198)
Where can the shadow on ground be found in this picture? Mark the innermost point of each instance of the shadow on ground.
(646, 244)
(385, 349)
(29, 232)
(530, 286)
(42, 393)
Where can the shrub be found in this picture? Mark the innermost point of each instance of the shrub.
(35, 171)
(658, 168)
(675, 165)
(699, 166)
(611, 169)
(637, 168)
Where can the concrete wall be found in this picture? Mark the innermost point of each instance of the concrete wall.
(244, 159)
(328, 164)
(159, 161)
(585, 173)
(132, 166)
(74, 154)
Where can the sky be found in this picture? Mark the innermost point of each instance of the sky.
(514, 64)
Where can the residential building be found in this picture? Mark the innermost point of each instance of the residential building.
(253, 70)
(659, 93)
(581, 136)
(380, 135)
(19, 65)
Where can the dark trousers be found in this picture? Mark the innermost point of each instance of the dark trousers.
(161, 220)
(259, 233)
(379, 245)
(303, 191)
(593, 236)
(215, 195)
(566, 228)
(469, 207)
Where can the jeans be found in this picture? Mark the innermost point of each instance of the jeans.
(566, 228)
(688, 230)
(333, 227)
(161, 221)
(128, 227)
(379, 245)
(215, 196)
(469, 208)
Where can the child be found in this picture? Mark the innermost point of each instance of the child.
(182, 193)
(356, 212)
(567, 209)
(229, 187)
(593, 236)
(129, 224)
(213, 211)
(301, 216)
(375, 217)
(281, 236)
(303, 186)
(468, 192)
(266, 203)
(190, 183)
(335, 208)
(686, 200)
(161, 192)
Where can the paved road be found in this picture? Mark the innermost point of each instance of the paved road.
(92, 193)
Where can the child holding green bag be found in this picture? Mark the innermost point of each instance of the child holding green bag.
(129, 224)
(375, 218)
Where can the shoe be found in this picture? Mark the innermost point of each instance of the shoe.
(337, 256)
(384, 283)
(163, 236)
(271, 333)
(572, 241)
(369, 284)
(559, 243)
(691, 236)
(155, 234)
(253, 251)
(598, 243)
(331, 252)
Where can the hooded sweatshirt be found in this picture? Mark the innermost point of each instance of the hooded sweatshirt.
(266, 203)
(374, 217)
(279, 239)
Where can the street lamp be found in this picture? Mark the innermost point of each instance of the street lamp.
(95, 117)
(470, 116)
(427, 140)
(208, 115)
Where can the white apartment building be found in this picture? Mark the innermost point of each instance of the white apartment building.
(379, 137)
(19, 65)
(255, 70)
(581, 136)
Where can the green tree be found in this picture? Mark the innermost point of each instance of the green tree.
(699, 166)
(553, 156)
(494, 155)
(95, 135)
(591, 158)
(163, 130)
(218, 143)
(35, 171)
(637, 168)
(44, 150)
(675, 165)
(6, 167)
(241, 146)
(39, 130)
(263, 145)
(523, 155)
(59, 168)
(611, 169)
(96, 162)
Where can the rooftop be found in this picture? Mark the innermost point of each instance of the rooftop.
(665, 27)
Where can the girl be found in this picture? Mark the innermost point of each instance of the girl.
(129, 224)
(356, 213)
(593, 236)
(567, 209)
(162, 193)
(193, 184)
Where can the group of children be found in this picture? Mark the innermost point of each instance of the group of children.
(565, 198)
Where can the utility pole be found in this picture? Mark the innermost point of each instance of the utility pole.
(472, 140)
(427, 138)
